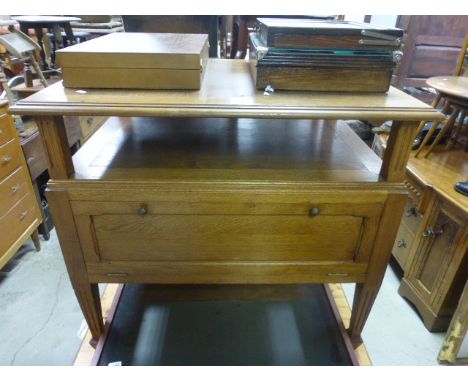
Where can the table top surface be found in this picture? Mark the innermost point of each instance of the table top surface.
(441, 170)
(228, 90)
(5, 23)
(45, 19)
(452, 85)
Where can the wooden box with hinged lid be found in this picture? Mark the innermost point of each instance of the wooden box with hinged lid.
(136, 61)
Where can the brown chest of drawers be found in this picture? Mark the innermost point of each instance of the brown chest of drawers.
(19, 211)
(432, 242)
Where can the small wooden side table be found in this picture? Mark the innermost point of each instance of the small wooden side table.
(53, 24)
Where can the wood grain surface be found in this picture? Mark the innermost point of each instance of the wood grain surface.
(228, 90)
(211, 150)
(140, 178)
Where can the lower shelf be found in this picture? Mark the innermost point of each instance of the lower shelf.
(229, 325)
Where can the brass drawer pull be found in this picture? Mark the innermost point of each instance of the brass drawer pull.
(117, 274)
(142, 210)
(15, 189)
(314, 211)
(431, 232)
(401, 243)
(23, 215)
(379, 42)
(6, 160)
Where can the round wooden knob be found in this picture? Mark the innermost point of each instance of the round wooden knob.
(142, 210)
(6, 159)
(314, 211)
(23, 215)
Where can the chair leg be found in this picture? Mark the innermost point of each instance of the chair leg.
(453, 137)
(37, 69)
(434, 105)
(445, 129)
(36, 240)
(427, 137)
(433, 128)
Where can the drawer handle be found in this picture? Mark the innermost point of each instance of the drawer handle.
(411, 212)
(431, 232)
(6, 160)
(30, 159)
(23, 215)
(314, 211)
(401, 243)
(15, 189)
(117, 274)
(142, 210)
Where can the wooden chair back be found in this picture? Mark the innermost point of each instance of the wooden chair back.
(462, 63)
(19, 44)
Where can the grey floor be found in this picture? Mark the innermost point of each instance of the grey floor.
(41, 323)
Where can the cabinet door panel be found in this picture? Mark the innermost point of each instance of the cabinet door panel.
(438, 254)
(439, 250)
(269, 232)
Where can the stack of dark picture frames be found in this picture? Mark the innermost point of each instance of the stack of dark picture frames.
(323, 55)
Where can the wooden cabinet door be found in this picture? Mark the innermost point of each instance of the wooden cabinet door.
(442, 249)
(225, 237)
(431, 47)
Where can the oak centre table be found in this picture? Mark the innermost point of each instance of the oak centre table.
(225, 185)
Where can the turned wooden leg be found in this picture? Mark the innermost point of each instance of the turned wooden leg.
(36, 241)
(234, 38)
(448, 126)
(366, 292)
(39, 36)
(69, 34)
(432, 129)
(453, 137)
(434, 105)
(428, 136)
